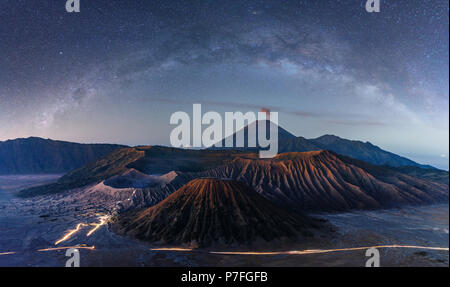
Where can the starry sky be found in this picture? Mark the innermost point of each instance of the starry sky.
(116, 71)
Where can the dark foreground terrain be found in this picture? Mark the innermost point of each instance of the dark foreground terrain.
(29, 229)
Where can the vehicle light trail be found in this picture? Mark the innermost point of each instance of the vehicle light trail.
(103, 221)
(172, 249)
(317, 251)
(66, 247)
(70, 233)
(7, 253)
(299, 252)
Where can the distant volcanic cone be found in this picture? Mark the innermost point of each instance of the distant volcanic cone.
(206, 211)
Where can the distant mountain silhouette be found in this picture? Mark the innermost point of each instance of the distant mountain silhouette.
(357, 149)
(206, 211)
(363, 151)
(36, 155)
(287, 142)
(251, 131)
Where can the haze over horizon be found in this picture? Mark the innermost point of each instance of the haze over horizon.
(116, 71)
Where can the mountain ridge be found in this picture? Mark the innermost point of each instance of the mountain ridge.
(287, 142)
(36, 155)
(365, 151)
(17, 156)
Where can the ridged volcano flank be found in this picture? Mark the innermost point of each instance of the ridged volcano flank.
(325, 181)
(301, 155)
(206, 211)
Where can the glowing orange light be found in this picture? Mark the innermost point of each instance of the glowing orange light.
(172, 249)
(316, 251)
(67, 247)
(70, 233)
(103, 221)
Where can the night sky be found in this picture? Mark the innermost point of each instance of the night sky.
(116, 71)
